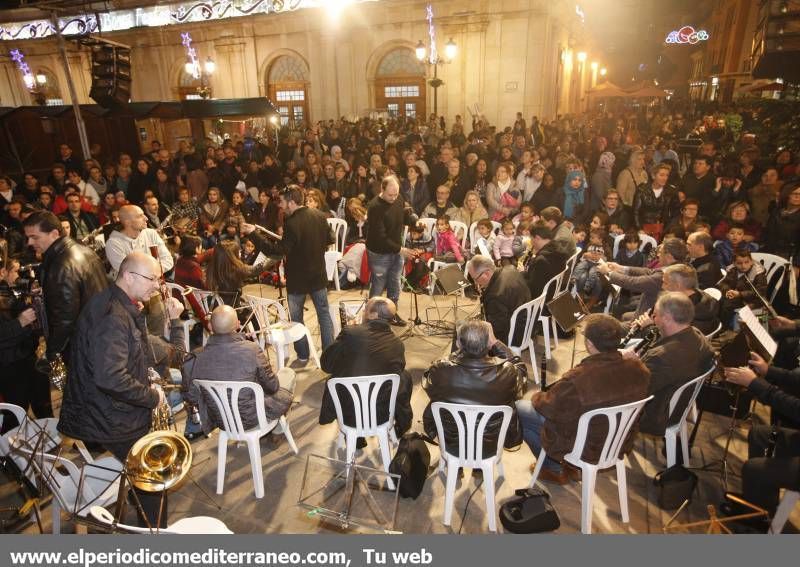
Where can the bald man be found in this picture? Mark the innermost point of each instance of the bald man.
(364, 350)
(229, 356)
(108, 397)
(134, 235)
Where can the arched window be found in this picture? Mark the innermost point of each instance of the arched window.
(191, 88)
(400, 84)
(47, 86)
(287, 86)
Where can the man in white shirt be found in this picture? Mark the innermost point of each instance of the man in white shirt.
(135, 235)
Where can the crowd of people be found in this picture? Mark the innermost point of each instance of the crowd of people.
(652, 206)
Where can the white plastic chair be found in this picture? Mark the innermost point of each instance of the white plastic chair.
(644, 238)
(62, 477)
(532, 309)
(363, 392)
(430, 227)
(332, 256)
(461, 231)
(26, 434)
(471, 421)
(225, 395)
(772, 264)
(788, 502)
(612, 297)
(548, 323)
(473, 231)
(620, 420)
(209, 300)
(277, 329)
(184, 526)
(713, 292)
(572, 261)
(715, 332)
(187, 323)
(679, 428)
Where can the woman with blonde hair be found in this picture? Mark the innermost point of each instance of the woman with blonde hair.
(472, 210)
(356, 217)
(502, 194)
(631, 177)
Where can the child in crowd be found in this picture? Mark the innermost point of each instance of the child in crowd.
(510, 199)
(525, 214)
(521, 246)
(248, 253)
(579, 234)
(416, 268)
(587, 280)
(485, 234)
(724, 251)
(629, 254)
(448, 248)
(615, 230)
(503, 248)
(231, 231)
(736, 292)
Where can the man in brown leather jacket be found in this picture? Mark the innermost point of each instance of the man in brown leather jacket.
(482, 371)
(602, 379)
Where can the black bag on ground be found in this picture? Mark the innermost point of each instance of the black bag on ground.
(529, 512)
(675, 485)
(411, 462)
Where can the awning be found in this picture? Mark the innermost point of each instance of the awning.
(759, 86)
(606, 90)
(646, 91)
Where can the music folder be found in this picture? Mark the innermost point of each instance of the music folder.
(567, 310)
(450, 279)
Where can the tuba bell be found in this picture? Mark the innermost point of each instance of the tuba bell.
(159, 461)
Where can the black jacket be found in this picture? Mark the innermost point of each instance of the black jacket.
(621, 216)
(708, 271)
(649, 209)
(306, 236)
(497, 379)
(706, 312)
(366, 350)
(506, 291)
(70, 275)
(107, 397)
(385, 226)
(16, 342)
(89, 219)
(548, 263)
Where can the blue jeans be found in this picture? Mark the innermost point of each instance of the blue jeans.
(386, 270)
(175, 397)
(320, 300)
(532, 423)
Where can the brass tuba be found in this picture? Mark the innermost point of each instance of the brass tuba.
(159, 461)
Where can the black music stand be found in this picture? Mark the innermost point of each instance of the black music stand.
(568, 311)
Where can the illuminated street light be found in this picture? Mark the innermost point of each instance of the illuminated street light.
(603, 72)
(581, 56)
(420, 51)
(450, 50)
(594, 65)
(210, 65)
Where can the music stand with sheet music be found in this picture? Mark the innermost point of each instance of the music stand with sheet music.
(451, 281)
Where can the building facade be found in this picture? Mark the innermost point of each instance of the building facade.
(512, 56)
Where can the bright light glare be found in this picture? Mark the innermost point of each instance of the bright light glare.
(594, 65)
(450, 49)
(41, 78)
(189, 67)
(29, 80)
(273, 119)
(420, 51)
(210, 66)
(581, 56)
(603, 72)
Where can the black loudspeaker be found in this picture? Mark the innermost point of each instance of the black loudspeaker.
(111, 75)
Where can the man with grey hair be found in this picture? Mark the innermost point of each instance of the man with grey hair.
(387, 214)
(502, 291)
(680, 354)
(369, 349)
(700, 246)
(482, 371)
(645, 281)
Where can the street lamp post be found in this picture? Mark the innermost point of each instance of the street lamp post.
(432, 58)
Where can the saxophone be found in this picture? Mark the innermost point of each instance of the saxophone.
(162, 418)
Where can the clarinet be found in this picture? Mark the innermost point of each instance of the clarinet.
(649, 340)
(634, 328)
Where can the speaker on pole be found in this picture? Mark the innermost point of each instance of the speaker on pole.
(111, 75)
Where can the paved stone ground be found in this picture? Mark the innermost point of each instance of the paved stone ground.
(279, 512)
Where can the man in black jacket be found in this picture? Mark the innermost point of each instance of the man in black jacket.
(70, 275)
(369, 349)
(503, 290)
(762, 476)
(387, 214)
(81, 223)
(306, 236)
(482, 371)
(21, 383)
(108, 398)
(700, 246)
(550, 260)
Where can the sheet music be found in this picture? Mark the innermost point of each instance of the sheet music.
(747, 317)
(260, 259)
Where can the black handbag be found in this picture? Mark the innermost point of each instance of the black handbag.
(411, 461)
(675, 485)
(529, 512)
